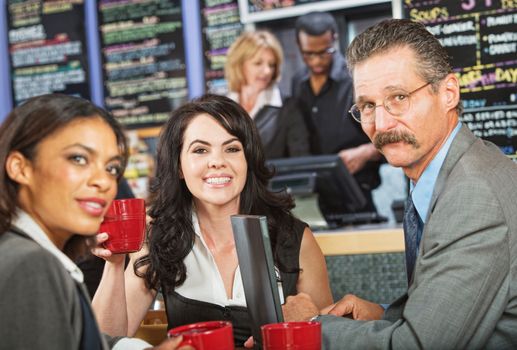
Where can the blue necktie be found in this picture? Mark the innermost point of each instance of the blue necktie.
(411, 232)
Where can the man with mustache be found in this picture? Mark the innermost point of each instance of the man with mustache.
(460, 223)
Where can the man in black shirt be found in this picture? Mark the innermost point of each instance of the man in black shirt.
(325, 93)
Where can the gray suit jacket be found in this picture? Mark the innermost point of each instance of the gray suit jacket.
(464, 290)
(39, 301)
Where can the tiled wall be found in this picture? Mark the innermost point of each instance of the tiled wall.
(379, 278)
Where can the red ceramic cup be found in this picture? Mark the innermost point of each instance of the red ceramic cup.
(292, 336)
(125, 224)
(211, 335)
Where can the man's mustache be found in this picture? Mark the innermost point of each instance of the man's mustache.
(384, 138)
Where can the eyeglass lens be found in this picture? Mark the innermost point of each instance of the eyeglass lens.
(328, 51)
(396, 104)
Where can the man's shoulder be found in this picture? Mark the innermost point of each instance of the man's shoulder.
(489, 164)
(481, 166)
(485, 157)
(473, 154)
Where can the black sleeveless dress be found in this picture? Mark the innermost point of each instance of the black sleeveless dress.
(181, 310)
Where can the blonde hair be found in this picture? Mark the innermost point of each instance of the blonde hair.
(245, 47)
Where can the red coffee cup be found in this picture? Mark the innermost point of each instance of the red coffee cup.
(211, 335)
(125, 224)
(291, 336)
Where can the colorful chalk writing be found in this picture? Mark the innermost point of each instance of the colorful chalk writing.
(143, 59)
(481, 38)
(47, 50)
(220, 27)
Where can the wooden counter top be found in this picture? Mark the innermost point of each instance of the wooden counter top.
(366, 239)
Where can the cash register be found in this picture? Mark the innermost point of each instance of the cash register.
(327, 196)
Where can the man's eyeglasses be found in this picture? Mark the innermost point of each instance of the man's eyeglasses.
(396, 104)
(320, 54)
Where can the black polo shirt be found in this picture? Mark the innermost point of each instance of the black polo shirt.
(330, 126)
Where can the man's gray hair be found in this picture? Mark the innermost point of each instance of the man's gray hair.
(433, 62)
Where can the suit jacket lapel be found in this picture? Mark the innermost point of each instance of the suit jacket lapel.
(461, 143)
(267, 120)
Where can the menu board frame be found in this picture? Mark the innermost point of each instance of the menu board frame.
(298, 8)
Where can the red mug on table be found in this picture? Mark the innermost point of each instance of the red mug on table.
(291, 336)
(211, 335)
(125, 225)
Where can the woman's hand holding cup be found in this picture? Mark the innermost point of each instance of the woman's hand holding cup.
(122, 230)
(104, 253)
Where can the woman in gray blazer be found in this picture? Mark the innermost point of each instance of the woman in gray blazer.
(61, 159)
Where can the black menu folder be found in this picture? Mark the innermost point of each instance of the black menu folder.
(258, 272)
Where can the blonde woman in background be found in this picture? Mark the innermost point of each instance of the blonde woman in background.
(252, 71)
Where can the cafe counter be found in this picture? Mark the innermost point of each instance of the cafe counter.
(365, 239)
(366, 260)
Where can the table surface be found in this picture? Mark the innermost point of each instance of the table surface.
(364, 239)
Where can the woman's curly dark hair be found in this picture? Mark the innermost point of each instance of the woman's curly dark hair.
(171, 235)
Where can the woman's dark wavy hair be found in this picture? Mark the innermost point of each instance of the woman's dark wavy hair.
(172, 236)
(31, 123)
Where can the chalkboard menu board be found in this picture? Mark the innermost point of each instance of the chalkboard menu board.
(481, 37)
(143, 59)
(220, 27)
(47, 50)
(261, 5)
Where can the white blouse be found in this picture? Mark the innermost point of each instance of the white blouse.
(268, 97)
(204, 282)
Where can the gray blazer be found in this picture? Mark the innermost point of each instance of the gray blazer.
(39, 301)
(464, 290)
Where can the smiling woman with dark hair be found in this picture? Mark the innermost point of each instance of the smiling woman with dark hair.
(210, 166)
